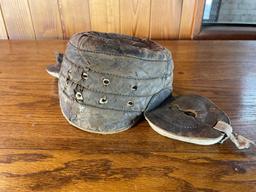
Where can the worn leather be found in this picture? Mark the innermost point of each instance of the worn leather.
(107, 80)
(189, 118)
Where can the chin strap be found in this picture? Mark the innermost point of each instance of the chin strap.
(240, 141)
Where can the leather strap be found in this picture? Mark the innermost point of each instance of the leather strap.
(240, 141)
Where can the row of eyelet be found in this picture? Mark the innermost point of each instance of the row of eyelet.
(106, 81)
(103, 100)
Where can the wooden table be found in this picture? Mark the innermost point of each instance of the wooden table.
(40, 151)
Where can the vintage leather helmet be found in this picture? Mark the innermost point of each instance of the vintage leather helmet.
(107, 81)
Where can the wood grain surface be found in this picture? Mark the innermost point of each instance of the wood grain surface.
(17, 18)
(135, 17)
(3, 32)
(40, 151)
(72, 22)
(57, 19)
(187, 18)
(46, 19)
(158, 24)
(104, 15)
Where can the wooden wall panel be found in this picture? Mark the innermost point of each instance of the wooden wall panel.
(3, 33)
(75, 16)
(187, 16)
(17, 18)
(105, 15)
(46, 19)
(135, 17)
(198, 16)
(58, 19)
(165, 19)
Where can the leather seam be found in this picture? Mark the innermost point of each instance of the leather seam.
(94, 90)
(120, 55)
(90, 105)
(119, 76)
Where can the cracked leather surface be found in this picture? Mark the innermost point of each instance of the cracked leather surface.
(189, 116)
(106, 80)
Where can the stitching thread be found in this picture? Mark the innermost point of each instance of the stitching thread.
(105, 53)
(119, 76)
(85, 104)
(96, 91)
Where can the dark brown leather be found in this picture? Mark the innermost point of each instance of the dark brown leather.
(188, 116)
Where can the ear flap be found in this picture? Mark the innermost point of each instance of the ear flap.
(193, 119)
(158, 98)
(54, 69)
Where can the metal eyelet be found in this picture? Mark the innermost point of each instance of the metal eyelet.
(84, 76)
(103, 100)
(79, 96)
(106, 82)
(130, 103)
(134, 87)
